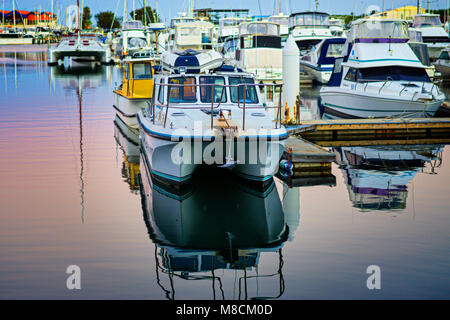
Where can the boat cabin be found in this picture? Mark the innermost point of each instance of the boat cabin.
(309, 28)
(137, 80)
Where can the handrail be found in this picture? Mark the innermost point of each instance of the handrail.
(213, 85)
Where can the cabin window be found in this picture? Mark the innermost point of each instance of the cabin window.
(206, 91)
(161, 92)
(186, 93)
(237, 93)
(351, 75)
(127, 71)
(334, 50)
(142, 71)
(393, 73)
(444, 56)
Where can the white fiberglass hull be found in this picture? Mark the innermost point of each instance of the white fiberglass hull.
(175, 161)
(127, 109)
(16, 41)
(367, 106)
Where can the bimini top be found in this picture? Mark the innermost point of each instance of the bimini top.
(379, 31)
(260, 28)
(191, 61)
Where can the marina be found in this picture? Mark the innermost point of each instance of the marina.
(220, 155)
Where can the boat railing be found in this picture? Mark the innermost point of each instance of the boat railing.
(240, 104)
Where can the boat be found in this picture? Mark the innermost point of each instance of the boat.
(228, 27)
(197, 35)
(135, 90)
(185, 127)
(337, 27)
(259, 50)
(421, 50)
(433, 33)
(283, 21)
(379, 75)
(319, 62)
(309, 28)
(82, 48)
(133, 40)
(442, 64)
(199, 231)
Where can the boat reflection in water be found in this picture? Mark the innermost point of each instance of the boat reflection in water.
(377, 177)
(217, 235)
(127, 140)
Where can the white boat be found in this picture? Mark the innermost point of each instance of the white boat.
(228, 27)
(184, 127)
(132, 40)
(442, 64)
(319, 62)
(309, 28)
(433, 33)
(379, 75)
(259, 50)
(197, 35)
(81, 48)
(283, 21)
(337, 27)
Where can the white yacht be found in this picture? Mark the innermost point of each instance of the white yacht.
(228, 27)
(337, 27)
(433, 33)
(309, 28)
(319, 62)
(204, 112)
(82, 48)
(379, 75)
(259, 50)
(132, 40)
(442, 64)
(196, 35)
(283, 21)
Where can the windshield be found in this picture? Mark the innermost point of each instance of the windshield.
(334, 50)
(142, 70)
(230, 22)
(393, 73)
(427, 21)
(380, 29)
(237, 93)
(182, 94)
(309, 19)
(137, 42)
(206, 91)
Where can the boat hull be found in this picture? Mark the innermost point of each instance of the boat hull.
(321, 74)
(174, 162)
(127, 109)
(364, 106)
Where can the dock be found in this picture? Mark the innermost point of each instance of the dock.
(373, 128)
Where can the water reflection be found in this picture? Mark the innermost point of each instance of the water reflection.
(216, 235)
(127, 140)
(377, 177)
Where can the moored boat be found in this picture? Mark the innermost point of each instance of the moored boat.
(210, 115)
(379, 75)
(136, 89)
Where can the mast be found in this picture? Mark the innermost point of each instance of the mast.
(14, 14)
(125, 15)
(145, 14)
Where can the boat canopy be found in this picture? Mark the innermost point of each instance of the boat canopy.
(379, 31)
(331, 49)
(132, 25)
(280, 19)
(229, 22)
(305, 19)
(427, 20)
(260, 28)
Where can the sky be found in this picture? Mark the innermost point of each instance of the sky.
(170, 8)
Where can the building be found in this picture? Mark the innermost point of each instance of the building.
(26, 18)
(405, 13)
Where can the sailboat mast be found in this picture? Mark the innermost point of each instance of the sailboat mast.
(125, 15)
(14, 14)
(145, 14)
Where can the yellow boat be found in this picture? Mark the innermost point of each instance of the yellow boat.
(135, 90)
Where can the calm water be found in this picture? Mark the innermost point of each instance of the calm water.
(69, 182)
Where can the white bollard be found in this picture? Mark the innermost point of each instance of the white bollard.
(291, 76)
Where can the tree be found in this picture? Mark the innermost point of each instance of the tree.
(105, 20)
(86, 23)
(138, 14)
